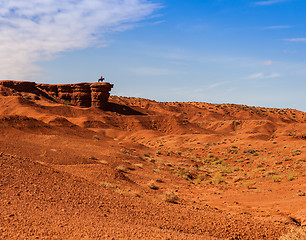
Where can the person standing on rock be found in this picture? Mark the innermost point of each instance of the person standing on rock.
(101, 79)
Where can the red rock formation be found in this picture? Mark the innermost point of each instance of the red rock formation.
(8, 87)
(80, 94)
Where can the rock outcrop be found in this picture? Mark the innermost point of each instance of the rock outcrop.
(79, 94)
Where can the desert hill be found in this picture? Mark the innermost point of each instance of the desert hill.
(77, 163)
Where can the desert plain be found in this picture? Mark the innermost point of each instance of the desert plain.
(140, 169)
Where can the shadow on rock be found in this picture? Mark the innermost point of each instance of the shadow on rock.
(121, 109)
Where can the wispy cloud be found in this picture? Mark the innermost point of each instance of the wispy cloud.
(217, 84)
(269, 2)
(277, 27)
(35, 30)
(263, 76)
(296, 39)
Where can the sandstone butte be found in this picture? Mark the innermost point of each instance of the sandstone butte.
(77, 163)
(79, 94)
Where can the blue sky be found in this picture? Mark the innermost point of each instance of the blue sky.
(220, 51)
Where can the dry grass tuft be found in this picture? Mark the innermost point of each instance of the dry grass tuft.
(294, 233)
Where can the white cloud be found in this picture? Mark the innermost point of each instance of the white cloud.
(269, 2)
(35, 30)
(263, 76)
(296, 39)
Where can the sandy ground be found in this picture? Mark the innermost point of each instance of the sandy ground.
(147, 170)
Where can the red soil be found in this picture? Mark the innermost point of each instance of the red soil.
(85, 173)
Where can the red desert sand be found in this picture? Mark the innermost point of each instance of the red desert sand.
(76, 163)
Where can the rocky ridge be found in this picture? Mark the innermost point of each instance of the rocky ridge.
(79, 94)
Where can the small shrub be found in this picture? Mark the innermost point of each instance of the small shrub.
(249, 151)
(277, 178)
(217, 162)
(291, 176)
(233, 150)
(296, 152)
(200, 178)
(187, 175)
(269, 173)
(218, 178)
(169, 152)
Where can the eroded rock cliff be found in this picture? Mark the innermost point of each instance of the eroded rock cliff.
(79, 94)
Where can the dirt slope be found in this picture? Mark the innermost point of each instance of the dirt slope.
(141, 169)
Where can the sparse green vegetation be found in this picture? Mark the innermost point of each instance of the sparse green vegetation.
(277, 178)
(233, 150)
(291, 176)
(200, 178)
(218, 178)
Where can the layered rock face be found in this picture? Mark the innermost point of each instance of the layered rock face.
(79, 94)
